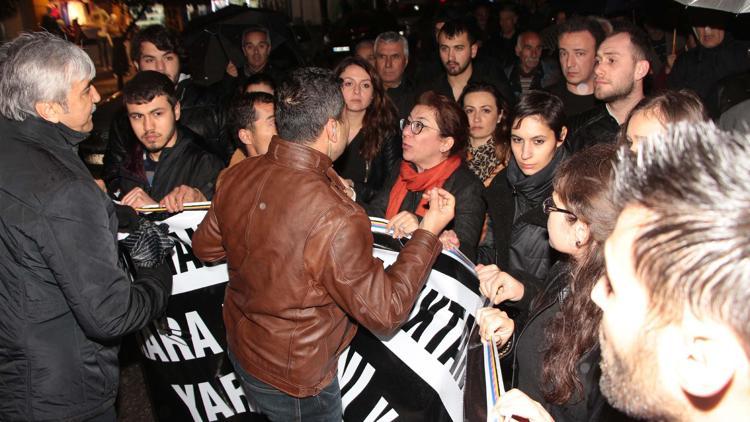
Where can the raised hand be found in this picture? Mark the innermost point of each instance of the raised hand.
(498, 286)
(441, 211)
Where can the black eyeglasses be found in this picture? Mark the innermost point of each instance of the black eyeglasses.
(415, 126)
(548, 206)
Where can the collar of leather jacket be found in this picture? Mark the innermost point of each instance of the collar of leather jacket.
(298, 156)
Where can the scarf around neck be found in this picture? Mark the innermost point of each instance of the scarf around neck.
(409, 180)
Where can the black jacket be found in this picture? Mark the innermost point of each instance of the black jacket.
(469, 217)
(483, 71)
(201, 111)
(186, 163)
(403, 97)
(369, 177)
(702, 68)
(64, 300)
(595, 126)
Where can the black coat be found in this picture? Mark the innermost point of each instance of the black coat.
(470, 208)
(593, 127)
(201, 111)
(187, 163)
(64, 300)
(368, 178)
(483, 71)
(544, 76)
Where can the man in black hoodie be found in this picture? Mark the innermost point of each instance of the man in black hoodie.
(64, 299)
(167, 166)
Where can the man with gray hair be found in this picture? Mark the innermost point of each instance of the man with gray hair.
(391, 59)
(299, 251)
(675, 329)
(64, 299)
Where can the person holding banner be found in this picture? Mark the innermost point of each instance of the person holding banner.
(435, 137)
(65, 301)
(556, 354)
(299, 255)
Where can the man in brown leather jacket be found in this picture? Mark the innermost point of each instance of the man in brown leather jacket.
(299, 253)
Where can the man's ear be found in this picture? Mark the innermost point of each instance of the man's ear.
(136, 65)
(474, 50)
(177, 110)
(246, 136)
(641, 69)
(712, 359)
(49, 111)
(331, 127)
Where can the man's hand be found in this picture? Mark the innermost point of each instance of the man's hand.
(498, 286)
(403, 224)
(175, 200)
(232, 69)
(441, 211)
(137, 198)
(449, 239)
(495, 324)
(516, 403)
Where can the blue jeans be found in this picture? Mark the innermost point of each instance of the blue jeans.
(279, 406)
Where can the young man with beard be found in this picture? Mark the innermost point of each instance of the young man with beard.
(675, 331)
(458, 48)
(622, 63)
(167, 166)
(577, 42)
(157, 48)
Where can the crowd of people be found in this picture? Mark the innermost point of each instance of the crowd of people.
(604, 209)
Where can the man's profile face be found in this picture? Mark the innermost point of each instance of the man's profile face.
(456, 53)
(529, 51)
(79, 106)
(154, 123)
(264, 126)
(164, 62)
(615, 68)
(256, 48)
(636, 351)
(390, 62)
(577, 52)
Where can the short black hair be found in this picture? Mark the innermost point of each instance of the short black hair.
(260, 78)
(305, 100)
(583, 24)
(147, 85)
(162, 37)
(543, 104)
(241, 112)
(456, 27)
(642, 49)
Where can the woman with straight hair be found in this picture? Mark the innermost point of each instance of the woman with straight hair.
(373, 149)
(489, 130)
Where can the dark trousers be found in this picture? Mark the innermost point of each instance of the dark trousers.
(279, 406)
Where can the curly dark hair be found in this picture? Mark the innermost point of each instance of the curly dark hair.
(583, 184)
(381, 120)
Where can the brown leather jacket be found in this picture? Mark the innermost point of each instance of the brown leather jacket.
(299, 254)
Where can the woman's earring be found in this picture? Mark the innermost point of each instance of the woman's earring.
(578, 243)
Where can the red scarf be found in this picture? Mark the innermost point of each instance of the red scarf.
(411, 181)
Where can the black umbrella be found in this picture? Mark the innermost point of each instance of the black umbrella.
(214, 39)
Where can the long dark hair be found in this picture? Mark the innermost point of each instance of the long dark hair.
(381, 120)
(501, 135)
(582, 183)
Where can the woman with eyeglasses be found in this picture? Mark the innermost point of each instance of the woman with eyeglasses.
(489, 130)
(434, 139)
(555, 354)
(373, 149)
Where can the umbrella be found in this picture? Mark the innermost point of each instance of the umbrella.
(733, 6)
(216, 38)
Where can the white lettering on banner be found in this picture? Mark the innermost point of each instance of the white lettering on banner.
(209, 404)
(164, 347)
(355, 386)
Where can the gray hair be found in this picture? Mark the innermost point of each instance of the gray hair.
(38, 67)
(694, 249)
(257, 28)
(392, 36)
